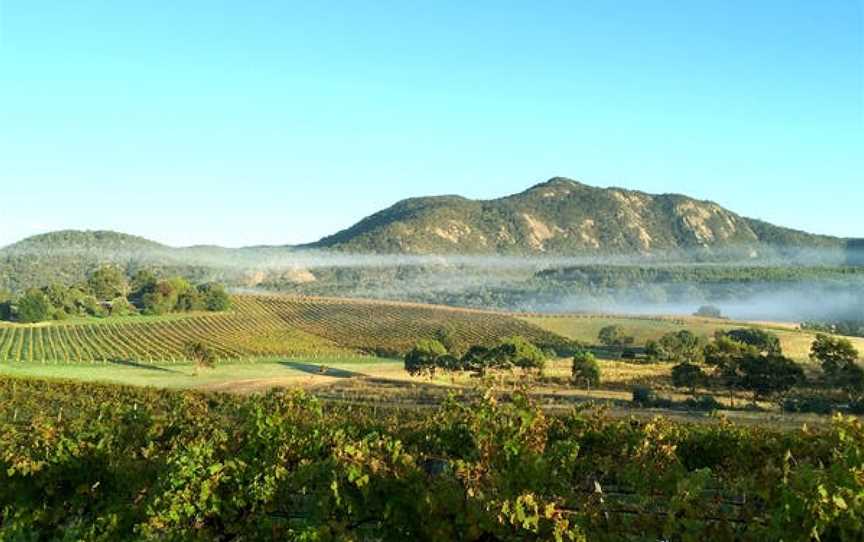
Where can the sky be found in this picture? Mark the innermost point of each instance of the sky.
(241, 123)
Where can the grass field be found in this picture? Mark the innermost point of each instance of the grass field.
(795, 343)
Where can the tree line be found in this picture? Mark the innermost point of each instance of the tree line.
(109, 292)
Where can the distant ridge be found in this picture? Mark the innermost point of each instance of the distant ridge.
(563, 217)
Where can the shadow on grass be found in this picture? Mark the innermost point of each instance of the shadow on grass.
(138, 365)
(322, 370)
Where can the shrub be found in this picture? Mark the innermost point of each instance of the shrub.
(815, 404)
(644, 396)
(703, 402)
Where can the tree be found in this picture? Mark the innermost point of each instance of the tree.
(214, 297)
(833, 353)
(121, 307)
(709, 311)
(517, 352)
(585, 369)
(5, 305)
(423, 358)
(107, 283)
(770, 374)
(687, 375)
(838, 358)
(201, 354)
(764, 341)
(614, 336)
(681, 346)
(32, 307)
(476, 359)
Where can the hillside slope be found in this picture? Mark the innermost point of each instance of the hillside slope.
(563, 217)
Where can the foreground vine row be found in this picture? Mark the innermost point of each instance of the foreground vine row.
(97, 462)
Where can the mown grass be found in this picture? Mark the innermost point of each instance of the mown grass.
(267, 372)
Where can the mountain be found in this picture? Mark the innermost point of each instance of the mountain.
(560, 217)
(564, 217)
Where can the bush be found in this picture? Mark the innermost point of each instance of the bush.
(703, 402)
(809, 403)
(644, 396)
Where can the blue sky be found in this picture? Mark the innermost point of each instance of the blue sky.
(278, 122)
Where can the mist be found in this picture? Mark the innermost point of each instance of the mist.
(511, 282)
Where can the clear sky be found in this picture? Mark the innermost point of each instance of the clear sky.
(278, 122)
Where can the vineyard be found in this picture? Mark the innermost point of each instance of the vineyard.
(100, 462)
(265, 326)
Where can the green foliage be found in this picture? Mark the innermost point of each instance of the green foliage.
(687, 375)
(285, 466)
(763, 341)
(201, 354)
(585, 369)
(644, 396)
(214, 297)
(423, 358)
(516, 352)
(107, 283)
(5, 305)
(769, 375)
(835, 354)
(681, 346)
(33, 306)
(614, 336)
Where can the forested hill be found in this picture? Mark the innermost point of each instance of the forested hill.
(68, 256)
(565, 217)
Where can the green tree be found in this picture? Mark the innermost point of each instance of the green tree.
(108, 282)
(768, 375)
(201, 354)
(121, 307)
(214, 297)
(517, 352)
(614, 336)
(764, 341)
(681, 346)
(423, 358)
(5, 305)
(687, 375)
(476, 359)
(833, 353)
(32, 307)
(585, 369)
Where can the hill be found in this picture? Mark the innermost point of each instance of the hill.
(565, 217)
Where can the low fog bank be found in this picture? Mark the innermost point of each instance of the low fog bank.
(778, 303)
(809, 284)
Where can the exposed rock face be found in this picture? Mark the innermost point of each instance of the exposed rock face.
(562, 217)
